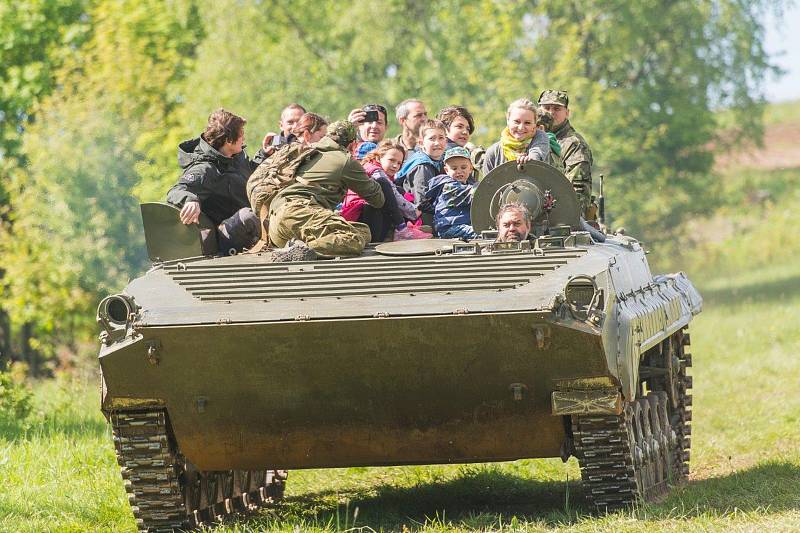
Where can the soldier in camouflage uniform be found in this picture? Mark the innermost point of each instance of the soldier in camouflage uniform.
(304, 210)
(575, 152)
(544, 122)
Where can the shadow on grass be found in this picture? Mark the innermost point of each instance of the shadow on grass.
(480, 497)
(485, 497)
(770, 487)
(477, 492)
(764, 291)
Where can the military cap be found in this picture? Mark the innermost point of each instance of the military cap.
(551, 96)
(343, 132)
(456, 151)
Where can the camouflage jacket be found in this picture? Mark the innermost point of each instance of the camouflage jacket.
(326, 177)
(577, 157)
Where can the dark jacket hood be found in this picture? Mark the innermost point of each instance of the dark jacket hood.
(196, 150)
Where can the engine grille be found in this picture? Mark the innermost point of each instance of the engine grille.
(215, 280)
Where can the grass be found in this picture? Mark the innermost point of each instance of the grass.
(782, 113)
(58, 472)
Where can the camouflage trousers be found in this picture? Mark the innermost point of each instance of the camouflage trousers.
(324, 231)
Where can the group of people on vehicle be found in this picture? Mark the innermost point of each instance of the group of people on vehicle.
(333, 188)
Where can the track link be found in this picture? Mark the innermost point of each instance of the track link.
(633, 456)
(163, 495)
(603, 448)
(624, 458)
(681, 414)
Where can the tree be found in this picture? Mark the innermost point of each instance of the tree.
(75, 232)
(35, 38)
(646, 82)
(645, 78)
(650, 78)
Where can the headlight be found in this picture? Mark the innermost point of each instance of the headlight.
(114, 313)
(580, 294)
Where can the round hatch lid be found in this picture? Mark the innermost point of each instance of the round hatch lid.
(416, 247)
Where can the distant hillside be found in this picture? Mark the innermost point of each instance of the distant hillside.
(753, 224)
(781, 142)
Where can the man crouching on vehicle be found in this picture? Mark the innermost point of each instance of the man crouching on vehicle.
(214, 180)
(302, 217)
(513, 223)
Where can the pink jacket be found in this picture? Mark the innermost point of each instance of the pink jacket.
(353, 204)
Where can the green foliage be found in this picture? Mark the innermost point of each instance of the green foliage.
(35, 39)
(782, 113)
(75, 230)
(752, 228)
(650, 77)
(115, 86)
(15, 400)
(646, 78)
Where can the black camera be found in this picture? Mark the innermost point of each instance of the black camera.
(371, 115)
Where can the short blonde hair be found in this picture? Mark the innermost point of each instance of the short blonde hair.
(523, 103)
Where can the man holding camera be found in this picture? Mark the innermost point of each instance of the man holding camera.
(290, 115)
(371, 121)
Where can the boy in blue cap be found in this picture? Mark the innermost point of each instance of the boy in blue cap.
(451, 196)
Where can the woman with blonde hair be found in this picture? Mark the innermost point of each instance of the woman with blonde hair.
(521, 140)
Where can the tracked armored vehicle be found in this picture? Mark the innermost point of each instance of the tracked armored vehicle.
(222, 373)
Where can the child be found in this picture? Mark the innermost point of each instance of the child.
(423, 165)
(452, 196)
(381, 164)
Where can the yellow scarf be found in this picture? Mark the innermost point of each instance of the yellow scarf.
(512, 148)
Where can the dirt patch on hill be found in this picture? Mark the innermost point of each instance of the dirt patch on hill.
(781, 150)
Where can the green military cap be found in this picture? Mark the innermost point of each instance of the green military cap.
(551, 96)
(343, 132)
(456, 151)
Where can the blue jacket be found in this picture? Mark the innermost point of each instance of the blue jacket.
(414, 176)
(452, 201)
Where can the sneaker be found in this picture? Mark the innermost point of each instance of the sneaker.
(424, 227)
(293, 251)
(409, 233)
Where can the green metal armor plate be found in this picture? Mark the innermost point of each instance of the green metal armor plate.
(416, 247)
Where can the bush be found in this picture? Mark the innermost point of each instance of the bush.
(16, 401)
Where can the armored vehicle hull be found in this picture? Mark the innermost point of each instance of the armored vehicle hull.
(240, 369)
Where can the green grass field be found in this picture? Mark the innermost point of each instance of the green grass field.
(58, 472)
